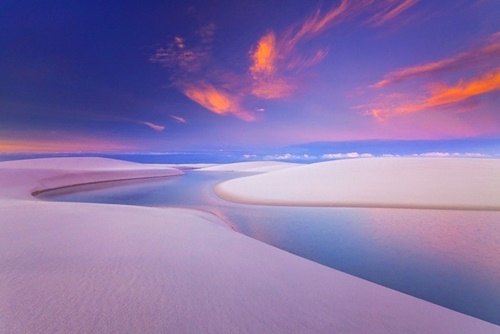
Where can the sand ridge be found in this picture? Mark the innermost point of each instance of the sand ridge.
(431, 183)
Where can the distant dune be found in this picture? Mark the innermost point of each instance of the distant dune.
(252, 166)
(439, 183)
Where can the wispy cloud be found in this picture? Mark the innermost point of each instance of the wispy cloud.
(392, 10)
(487, 53)
(351, 155)
(63, 144)
(153, 126)
(189, 73)
(452, 155)
(276, 60)
(183, 58)
(178, 119)
(438, 96)
(444, 95)
(288, 156)
(482, 77)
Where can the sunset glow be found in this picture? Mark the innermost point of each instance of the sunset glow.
(252, 74)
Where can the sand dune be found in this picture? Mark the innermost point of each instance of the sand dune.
(22, 178)
(440, 183)
(252, 166)
(94, 268)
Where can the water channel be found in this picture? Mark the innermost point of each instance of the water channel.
(447, 257)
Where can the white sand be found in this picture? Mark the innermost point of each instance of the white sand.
(49, 173)
(252, 166)
(95, 268)
(440, 183)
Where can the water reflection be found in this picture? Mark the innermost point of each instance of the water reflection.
(447, 257)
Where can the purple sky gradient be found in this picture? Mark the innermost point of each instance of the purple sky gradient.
(154, 76)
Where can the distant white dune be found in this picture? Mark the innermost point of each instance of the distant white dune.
(252, 166)
(440, 183)
(49, 173)
(99, 268)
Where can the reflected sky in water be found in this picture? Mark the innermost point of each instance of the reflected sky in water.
(446, 257)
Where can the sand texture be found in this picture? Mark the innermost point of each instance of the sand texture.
(96, 268)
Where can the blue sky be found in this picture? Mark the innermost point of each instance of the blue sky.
(156, 76)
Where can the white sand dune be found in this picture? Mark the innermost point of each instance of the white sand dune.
(439, 183)
(50, 173)
(252, 166)
(96, 268)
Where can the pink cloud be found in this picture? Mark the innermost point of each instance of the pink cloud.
(471, 58)
(153, 126)
(393, 9)
(57, 143)
(178, 119)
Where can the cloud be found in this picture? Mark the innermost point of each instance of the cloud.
(217, 100)
(264, 57)
(452, 155)
(355, 155)
(288, 156)
(392, 10)
(183, 58)
(443, 95)
(189, 73)
(153, 126)
(468, 59)
(438, 96)
(276, 60)
(179, 119)
(345, 155)
(63, 144)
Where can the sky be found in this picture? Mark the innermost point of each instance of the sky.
(160, 76)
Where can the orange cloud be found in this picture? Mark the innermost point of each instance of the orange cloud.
(275, 57)
(442, 95)
(471, 58)
(276, 60)
(217, 100)
(264, 56)
(439, 96)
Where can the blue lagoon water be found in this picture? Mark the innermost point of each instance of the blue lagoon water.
(450, 258)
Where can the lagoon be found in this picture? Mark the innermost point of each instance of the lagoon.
(447, 257)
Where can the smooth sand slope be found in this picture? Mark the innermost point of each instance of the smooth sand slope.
(95, 268)
(251, 166)
(440, 183)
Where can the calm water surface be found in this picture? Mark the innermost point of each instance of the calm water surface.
(447, 257)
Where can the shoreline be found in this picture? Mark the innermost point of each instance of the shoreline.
(45, 190)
